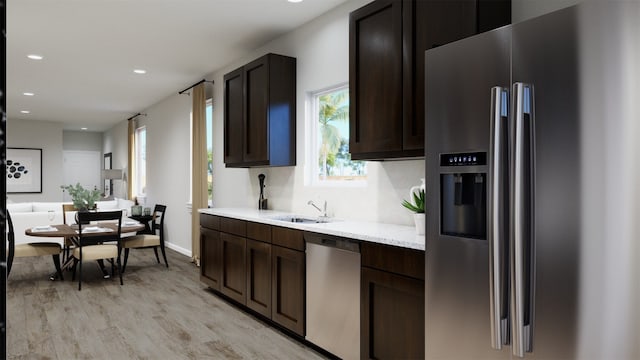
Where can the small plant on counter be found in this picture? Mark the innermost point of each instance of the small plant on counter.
(417, 206)
(82, 198)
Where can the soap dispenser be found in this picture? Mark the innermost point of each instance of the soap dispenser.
(262, 202)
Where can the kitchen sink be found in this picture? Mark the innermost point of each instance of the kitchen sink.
(301, 219)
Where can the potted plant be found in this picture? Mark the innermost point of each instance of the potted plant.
(417, 206)
(83, 199)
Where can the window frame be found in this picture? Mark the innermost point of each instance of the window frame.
(140, 158)
(312, 149)
(209, 129)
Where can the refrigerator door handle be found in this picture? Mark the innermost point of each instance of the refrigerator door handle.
(498, 210)
(522, 260)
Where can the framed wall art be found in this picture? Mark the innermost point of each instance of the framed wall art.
(24, 170)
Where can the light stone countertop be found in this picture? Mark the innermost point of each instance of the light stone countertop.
(388, 234)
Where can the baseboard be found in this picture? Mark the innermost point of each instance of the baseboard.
(179, 249)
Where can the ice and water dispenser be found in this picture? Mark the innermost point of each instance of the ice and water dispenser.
(463, 195)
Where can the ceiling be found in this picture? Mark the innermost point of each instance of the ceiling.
(91, 47)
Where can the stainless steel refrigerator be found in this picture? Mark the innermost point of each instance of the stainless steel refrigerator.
(503, 165)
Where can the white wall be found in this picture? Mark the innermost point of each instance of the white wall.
(322, 51)
(168, 165)
(82, 140)
(43, 135)
(115, 141)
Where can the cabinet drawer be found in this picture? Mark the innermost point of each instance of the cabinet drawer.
(407, 262)
(258, 231)
(210, 221)
(233, 226)
(288, 238)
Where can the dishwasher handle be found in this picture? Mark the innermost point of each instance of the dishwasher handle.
(332, 241)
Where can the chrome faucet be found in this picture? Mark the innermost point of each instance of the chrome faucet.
(324, 212)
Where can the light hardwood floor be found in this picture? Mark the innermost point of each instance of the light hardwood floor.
(159, 313)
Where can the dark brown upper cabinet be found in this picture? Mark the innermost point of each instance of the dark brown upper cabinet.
(387, 41)
(260, 113)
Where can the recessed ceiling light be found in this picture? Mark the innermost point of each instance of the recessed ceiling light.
(25, 111)
(28, 94)
(35, 57)
(294, 1)
(83, 128)
(140, 71)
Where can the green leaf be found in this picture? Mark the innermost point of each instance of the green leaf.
(82, 198)
(418, 202)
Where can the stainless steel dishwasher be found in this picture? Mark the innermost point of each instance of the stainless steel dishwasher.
(333, 294)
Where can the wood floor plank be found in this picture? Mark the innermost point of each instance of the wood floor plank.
(159, 313)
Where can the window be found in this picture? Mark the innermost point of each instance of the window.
(330, 158)
(140, 180)
(209, 120)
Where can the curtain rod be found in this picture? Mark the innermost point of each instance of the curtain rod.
(198, 83)
(135, 116)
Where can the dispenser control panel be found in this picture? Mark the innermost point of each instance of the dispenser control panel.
(463, 159)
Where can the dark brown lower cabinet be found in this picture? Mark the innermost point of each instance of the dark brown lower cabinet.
(210, 262)
(240, 261)
(392, 316)
(392, 302)
(288, 292)
(233, 283)
(259, 277)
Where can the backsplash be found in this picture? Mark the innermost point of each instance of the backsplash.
(388, 183)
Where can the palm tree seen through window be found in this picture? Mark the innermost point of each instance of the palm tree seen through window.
(334, 159)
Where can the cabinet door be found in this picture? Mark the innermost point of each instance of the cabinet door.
(391, 316)
(375, 79)
(256, 78)
(233, 117)
(493, 14)
(288, 288)
(211, 260)
(259, 277)
(233, 280)
(427, 24)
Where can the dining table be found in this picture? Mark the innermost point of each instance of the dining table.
(129, 227)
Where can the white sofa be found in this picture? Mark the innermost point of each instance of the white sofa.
(29, 214)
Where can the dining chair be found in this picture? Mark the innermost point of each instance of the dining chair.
(91, 245)
(31, 249)
(154, 240)
(68, 241)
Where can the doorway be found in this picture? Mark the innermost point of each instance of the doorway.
(81, 167)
